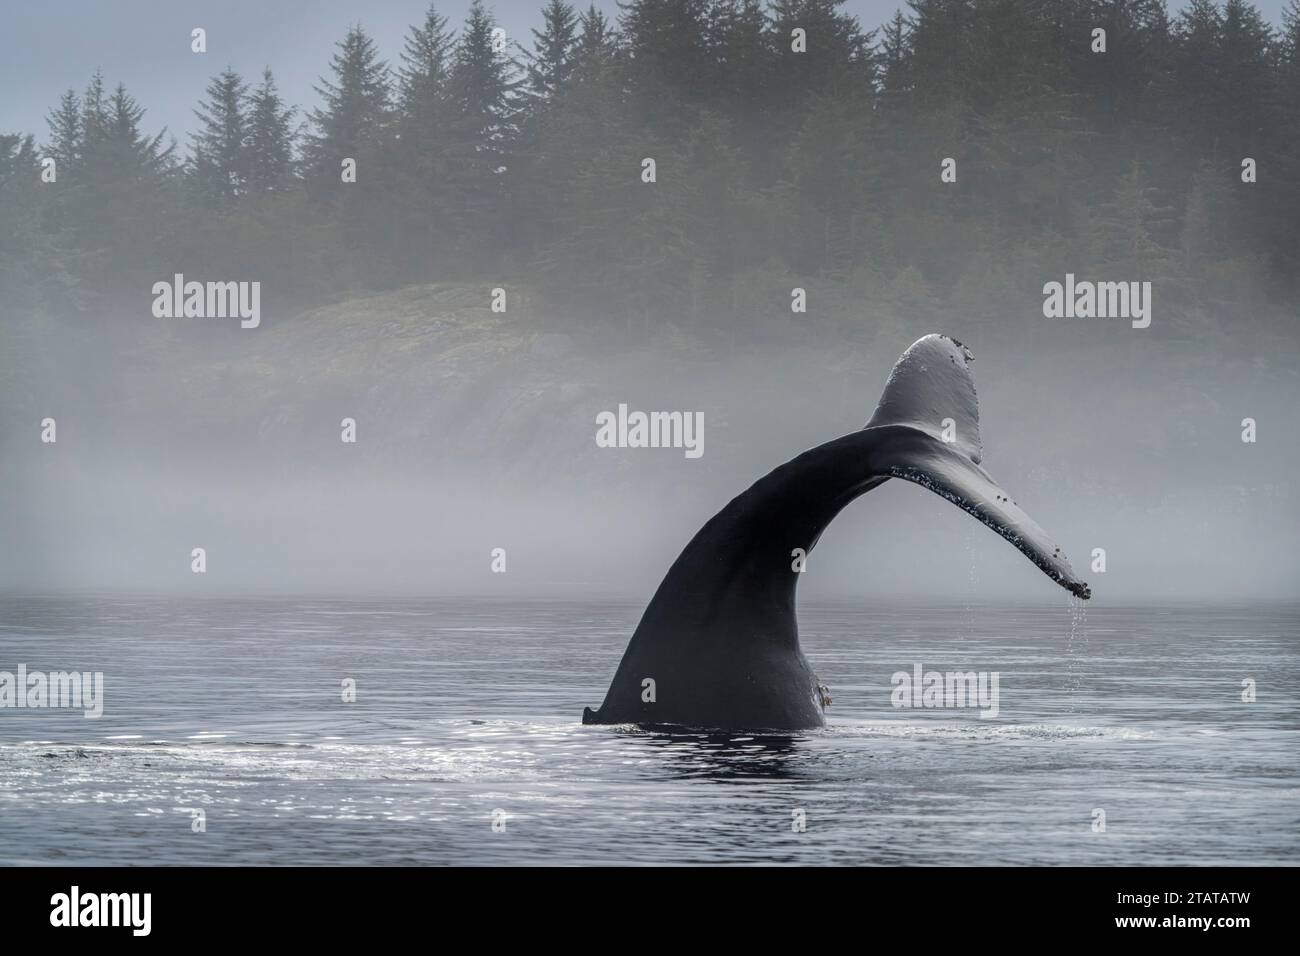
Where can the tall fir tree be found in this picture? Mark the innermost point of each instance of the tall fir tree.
(25, 241)
(418, 162)
(1246, 73)
(482, 87)
(482, 135)
(67, 131)
(552, 57)
(270, 138)
(667, 59)
(422, 78)
(596, 42)
(895, 53)
(220, 162)
(355, 116)
(1198, 38)
(115, 210)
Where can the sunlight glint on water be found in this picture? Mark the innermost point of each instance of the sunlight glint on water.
(464, 707)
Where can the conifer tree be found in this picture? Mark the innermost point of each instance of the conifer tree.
(67, 131)
(220, 166)
(552, 58)
(482, 132)
(355, 116)
(595, 43)
(270, 140)
(422, 78)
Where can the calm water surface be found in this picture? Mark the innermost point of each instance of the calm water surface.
(464, 708)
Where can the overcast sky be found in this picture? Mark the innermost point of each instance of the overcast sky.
(145, 44)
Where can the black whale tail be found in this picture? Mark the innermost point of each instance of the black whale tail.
(931, 392)
(718, 644)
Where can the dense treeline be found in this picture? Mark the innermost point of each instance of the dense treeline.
(522, 163)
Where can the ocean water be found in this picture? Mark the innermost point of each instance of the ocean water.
(467, 714)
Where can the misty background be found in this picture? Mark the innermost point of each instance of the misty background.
(145, 44)
(521, 170)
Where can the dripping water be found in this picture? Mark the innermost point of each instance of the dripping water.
(1076, 648)
(972, 585)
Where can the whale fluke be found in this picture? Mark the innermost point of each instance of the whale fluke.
(929, 385)
(718, 644)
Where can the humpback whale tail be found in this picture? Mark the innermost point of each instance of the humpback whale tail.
(930, 390)
(718, 644)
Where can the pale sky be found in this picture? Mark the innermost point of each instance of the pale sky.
(46, 48)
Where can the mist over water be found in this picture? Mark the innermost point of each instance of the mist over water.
(818, 177)
(233, 444)
(465, 256)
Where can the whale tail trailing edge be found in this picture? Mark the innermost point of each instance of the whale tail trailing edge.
(931, 391)
(718, 644)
